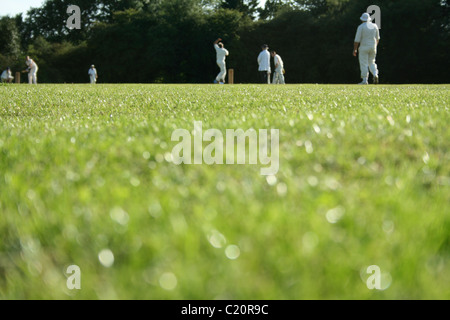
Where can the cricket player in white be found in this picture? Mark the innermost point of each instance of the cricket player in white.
(93, 74)
(32, 71)
(7, 75)
(367, 39)
(221, 54)
(278, 77)
(264, 64)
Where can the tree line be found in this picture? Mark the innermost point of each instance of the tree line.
(170, 41)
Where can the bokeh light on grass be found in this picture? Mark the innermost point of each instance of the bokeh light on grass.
(86, 178)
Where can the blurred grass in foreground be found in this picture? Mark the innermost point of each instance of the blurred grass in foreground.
(86, 179)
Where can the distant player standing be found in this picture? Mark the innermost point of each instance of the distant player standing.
(264, 64)
(367, 39)
(278, 77)
(221, 54)
(93, 76)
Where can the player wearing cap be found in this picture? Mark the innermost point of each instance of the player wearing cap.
(366, 40)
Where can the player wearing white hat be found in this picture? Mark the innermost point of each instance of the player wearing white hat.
(366, 42)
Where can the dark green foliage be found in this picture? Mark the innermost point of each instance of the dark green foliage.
(273, 7)
(247, 7)
(9, 37)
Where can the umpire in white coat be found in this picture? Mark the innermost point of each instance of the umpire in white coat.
(366, 41)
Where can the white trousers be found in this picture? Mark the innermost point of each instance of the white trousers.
(223, 71)
(93, 78)
(278, 77)
(9, 78)
(32, 76)
(367, 57)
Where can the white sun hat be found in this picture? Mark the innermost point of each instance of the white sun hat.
(365, 17)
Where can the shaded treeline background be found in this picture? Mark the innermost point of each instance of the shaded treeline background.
(170, 41)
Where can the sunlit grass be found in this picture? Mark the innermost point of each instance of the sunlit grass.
(86, 179)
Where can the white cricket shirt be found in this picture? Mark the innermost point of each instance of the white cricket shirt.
(264, 61)
(221, 53)
(367, 35)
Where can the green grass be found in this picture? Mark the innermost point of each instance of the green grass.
(87, 168)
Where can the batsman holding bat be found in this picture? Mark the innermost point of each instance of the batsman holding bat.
(31, 70)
